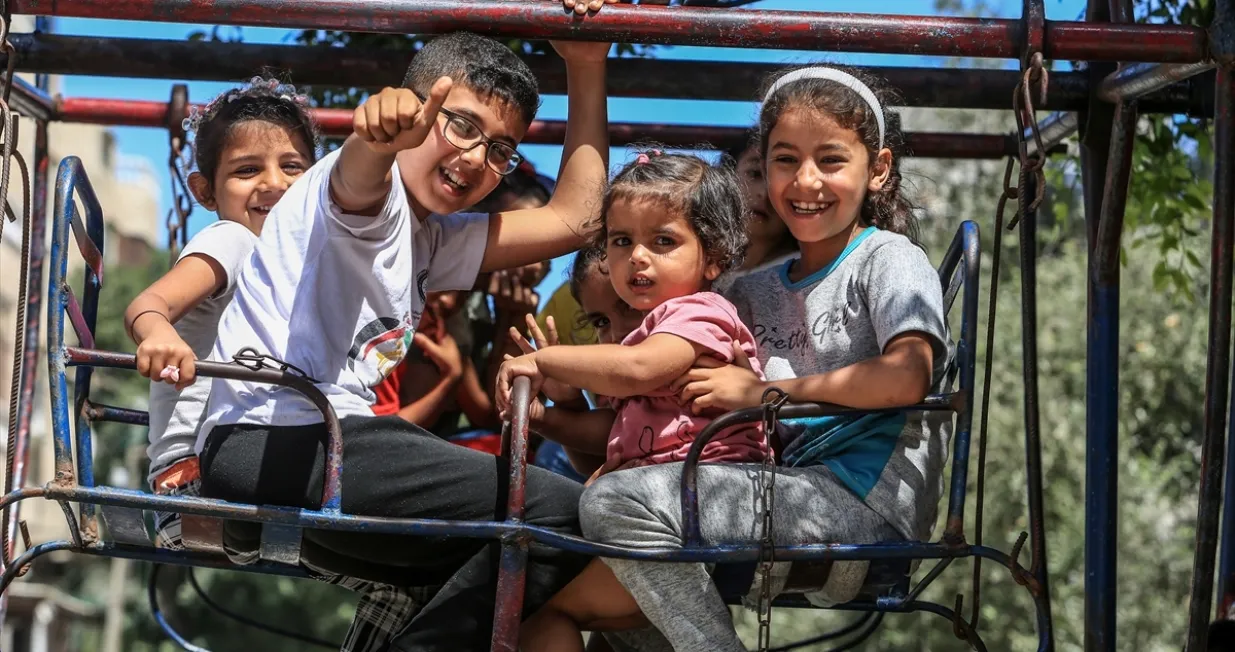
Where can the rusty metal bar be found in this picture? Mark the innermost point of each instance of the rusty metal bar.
(30, 101)
(1054, 129)
(1217, 367)
(1105, 332)
(338, 123)
(30, 367)
(1101, 434)
(842, 32)
(975, 88)
(96, 412)
(1136, 80)
(77, 318)
(512, 568)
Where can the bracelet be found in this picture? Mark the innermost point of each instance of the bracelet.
(139, 315)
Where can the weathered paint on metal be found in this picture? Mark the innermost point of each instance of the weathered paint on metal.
(1222, 35)
(73, 185)
(1218, 360)
(77, 319)
(963, 259)
(498, 530)
(971, 88)
(889, 34)
(56, 304)
(512, 567)
(338, 122)
(30, 368)
(1028, 247)
(1134, 81)
(100, 412)
(332, 491)
(1101, 533)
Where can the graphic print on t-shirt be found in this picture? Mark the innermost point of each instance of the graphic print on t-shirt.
(380, 345)
(421, 279)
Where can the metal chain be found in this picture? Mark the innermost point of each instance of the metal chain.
(1023, 107)
(8, 152)
(767, 502)
(182, 200)
(9, 142)
(1030, 163)
(179, 161)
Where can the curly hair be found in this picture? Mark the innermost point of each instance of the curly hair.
(261, 100)
(709, 197)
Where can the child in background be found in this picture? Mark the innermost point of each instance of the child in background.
(670, 224)
(771, 242)
(249, 145)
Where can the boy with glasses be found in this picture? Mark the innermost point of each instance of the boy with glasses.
(336, 287)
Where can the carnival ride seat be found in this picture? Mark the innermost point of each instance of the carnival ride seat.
(278, 532)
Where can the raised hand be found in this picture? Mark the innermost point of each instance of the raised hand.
(583, 6)
(443, 352)
(395, 119)
(558, 392)
(510, 295)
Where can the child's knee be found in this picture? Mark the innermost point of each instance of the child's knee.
(608, 508)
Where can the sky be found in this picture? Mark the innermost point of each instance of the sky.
(151, 144)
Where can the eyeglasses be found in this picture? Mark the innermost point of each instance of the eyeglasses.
(465, 135)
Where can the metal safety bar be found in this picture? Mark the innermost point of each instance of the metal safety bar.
(512, 566)
(372, 68)
(842, 32)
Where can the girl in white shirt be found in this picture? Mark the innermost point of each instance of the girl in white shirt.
(249, 145)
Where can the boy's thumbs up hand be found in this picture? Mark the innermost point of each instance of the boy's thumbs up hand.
(395, 119)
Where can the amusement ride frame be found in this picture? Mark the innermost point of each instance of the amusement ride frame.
(1161, 68)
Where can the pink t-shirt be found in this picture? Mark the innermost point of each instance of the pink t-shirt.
(654, 429)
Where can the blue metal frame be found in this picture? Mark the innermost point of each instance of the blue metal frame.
(74, 482)
(73, 184)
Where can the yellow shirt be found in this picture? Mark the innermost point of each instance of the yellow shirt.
(568, 317)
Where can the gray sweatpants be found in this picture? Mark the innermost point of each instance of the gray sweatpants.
(641, 508)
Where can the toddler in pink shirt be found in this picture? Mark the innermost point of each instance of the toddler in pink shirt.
(653, 428)
(670, 225)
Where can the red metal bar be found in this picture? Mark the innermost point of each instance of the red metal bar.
(512, 566)
(841, 32)
(960, 88)
(34, 317)
(338, 123)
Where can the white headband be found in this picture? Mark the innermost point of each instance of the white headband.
(843, 78)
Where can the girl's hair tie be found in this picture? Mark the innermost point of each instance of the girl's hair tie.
(257, 87)
(646, 157)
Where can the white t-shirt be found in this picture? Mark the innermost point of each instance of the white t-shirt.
(174, 416)
(338, 296)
